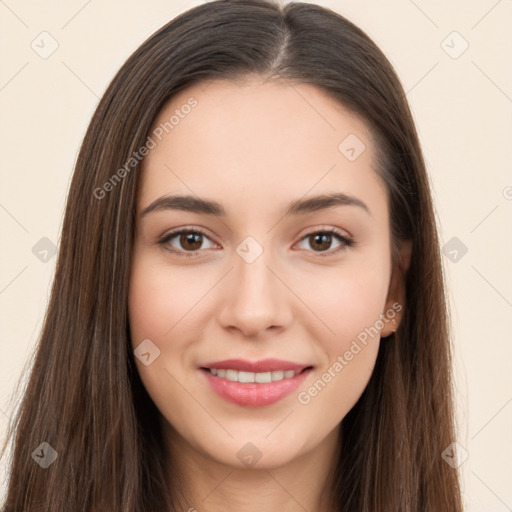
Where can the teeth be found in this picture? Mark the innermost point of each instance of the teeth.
(244, 376)
(260, 377)
(263, 377)
(231, 375)
(277, 375)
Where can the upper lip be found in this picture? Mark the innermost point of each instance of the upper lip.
(265, 365)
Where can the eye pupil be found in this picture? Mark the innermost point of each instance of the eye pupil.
(323, 239)
(195, 239)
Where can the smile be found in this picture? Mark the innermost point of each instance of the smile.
(254, 389)
(259, 377)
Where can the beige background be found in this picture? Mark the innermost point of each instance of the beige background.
(463, 111)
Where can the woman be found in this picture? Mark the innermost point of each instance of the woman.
(248, 310)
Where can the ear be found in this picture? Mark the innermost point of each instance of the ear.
(395, 300)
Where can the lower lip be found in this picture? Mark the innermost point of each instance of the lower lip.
(252, 394)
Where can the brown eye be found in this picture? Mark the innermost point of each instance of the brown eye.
(321, 242)
(191, 241)
(185, 242)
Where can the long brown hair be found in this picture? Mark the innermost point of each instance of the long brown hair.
(84, 396)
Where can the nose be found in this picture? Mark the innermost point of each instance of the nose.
(255, 299)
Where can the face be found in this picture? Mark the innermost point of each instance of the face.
(264, 274)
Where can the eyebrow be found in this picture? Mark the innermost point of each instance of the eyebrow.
(298, 207)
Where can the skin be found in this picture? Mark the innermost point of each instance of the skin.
(255, 146)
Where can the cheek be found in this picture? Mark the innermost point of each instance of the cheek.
(161, 308)
(350, 347)
(158, 301)
(340, 385)
(349, 302)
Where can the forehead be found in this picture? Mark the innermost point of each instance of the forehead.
(260, 140)
(276, 112)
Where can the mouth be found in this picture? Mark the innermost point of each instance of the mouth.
(257, 377)
(246, 383)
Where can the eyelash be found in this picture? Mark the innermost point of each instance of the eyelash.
(346, 241)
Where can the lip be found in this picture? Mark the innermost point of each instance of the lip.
(252, 394)
(265, 365)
